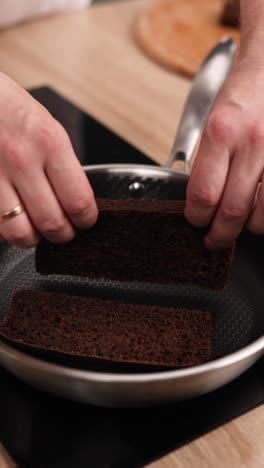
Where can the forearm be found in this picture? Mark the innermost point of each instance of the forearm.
(252, 30)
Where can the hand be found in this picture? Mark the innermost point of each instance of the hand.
(38, 168)
(230, 161)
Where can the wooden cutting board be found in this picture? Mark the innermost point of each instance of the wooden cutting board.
(179, 33)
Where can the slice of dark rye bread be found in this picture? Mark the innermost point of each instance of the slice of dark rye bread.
(103, 331)
(139, 240)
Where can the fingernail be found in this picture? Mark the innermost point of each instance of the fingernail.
(209, 244)
(94, 217)
(216, 245)
(193, 221)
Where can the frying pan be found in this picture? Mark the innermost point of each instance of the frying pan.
(237, 312)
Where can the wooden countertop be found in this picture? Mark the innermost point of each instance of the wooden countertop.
(90, 57)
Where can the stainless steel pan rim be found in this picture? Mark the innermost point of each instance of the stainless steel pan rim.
(135, 170)
(253, 349)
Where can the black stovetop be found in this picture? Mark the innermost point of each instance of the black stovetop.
(43, 431)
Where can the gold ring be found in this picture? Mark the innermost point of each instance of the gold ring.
(11, 214)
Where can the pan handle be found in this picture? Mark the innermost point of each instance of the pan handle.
(206, 84)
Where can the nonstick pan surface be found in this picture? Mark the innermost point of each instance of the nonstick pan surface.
(237, 312)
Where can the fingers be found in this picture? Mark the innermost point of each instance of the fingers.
(19, 229)
(72, 188)
(256, 220)
(208, 177)
(225, 178)
(41, 170)
(42, 205)
(238, 199)
(53, 185)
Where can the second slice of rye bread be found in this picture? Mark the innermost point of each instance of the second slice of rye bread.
(90, 331)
